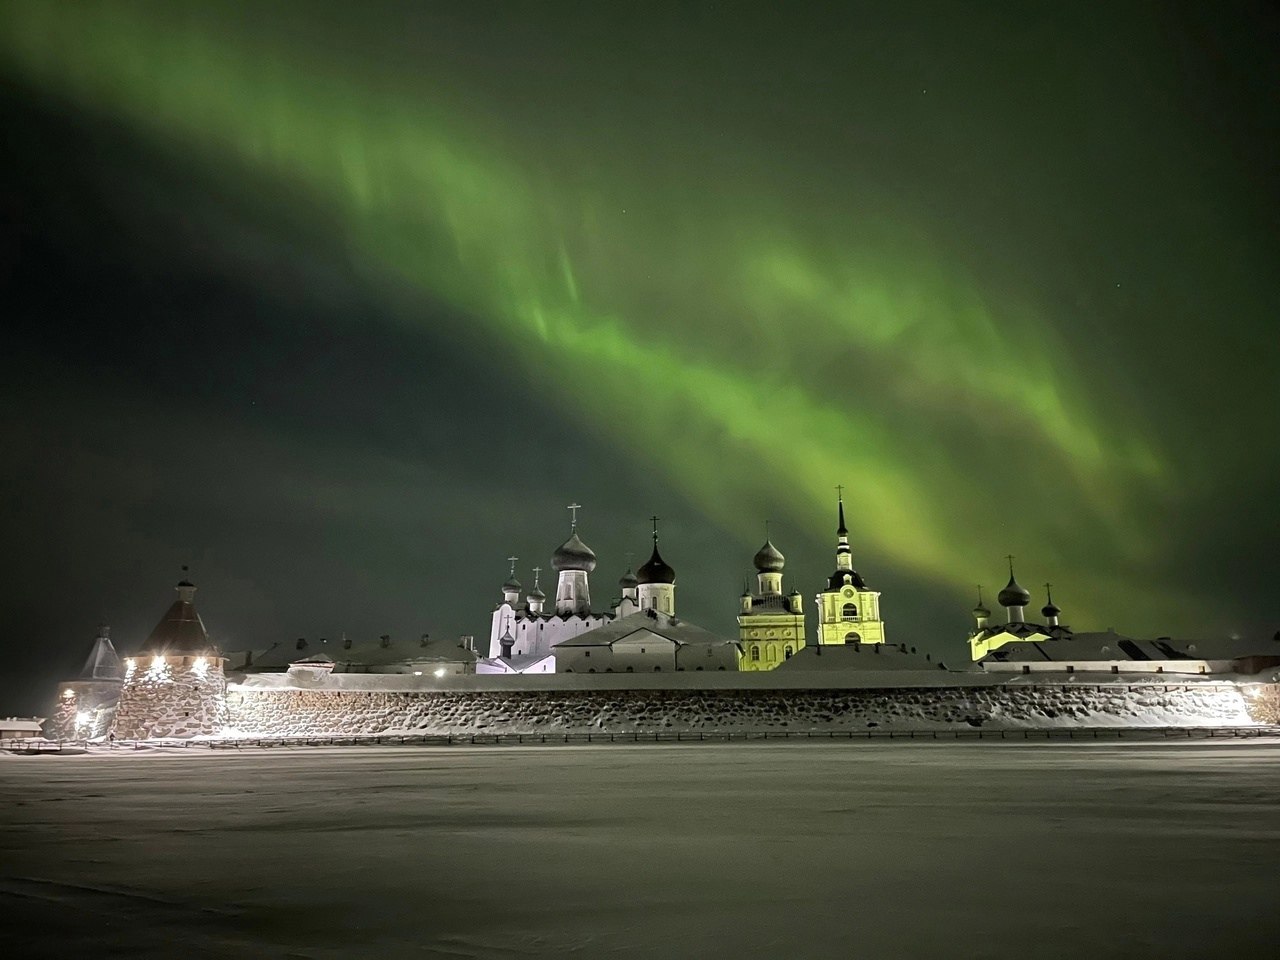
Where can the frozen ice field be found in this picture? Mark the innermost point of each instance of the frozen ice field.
(864, 850)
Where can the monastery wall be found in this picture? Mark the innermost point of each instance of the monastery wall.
(266, 711)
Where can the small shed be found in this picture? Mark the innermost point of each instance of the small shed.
(21, 728)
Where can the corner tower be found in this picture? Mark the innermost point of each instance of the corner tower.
(174, 686)
(848, 610)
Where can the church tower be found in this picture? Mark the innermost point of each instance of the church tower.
(656, 581)
(848, 611)
(174, 686)
(771, 624)
(572, 562)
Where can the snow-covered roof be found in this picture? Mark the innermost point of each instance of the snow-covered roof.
(663, 625)
(524, 663)
(859, 656)
(366, 653)
(22, 724)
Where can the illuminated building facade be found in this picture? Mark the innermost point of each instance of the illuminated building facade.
(770, 623)
(848, 610)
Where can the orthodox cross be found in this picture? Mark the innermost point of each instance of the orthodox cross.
(1048, 589)
(573, 509)
(512, 561)
(655, 528)
(1009, 557)
(537, 571)
(840, 490)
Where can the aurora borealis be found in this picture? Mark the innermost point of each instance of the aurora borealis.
(340, 303)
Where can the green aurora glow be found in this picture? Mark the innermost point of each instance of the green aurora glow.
(758, 351)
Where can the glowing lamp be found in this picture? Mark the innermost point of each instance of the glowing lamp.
(68, 692)
(83, 718)
(439, 671)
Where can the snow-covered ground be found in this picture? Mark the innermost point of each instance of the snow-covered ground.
(865, 850)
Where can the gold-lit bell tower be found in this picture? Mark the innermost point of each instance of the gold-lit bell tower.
(848, 611)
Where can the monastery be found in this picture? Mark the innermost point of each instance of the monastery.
(176, 682)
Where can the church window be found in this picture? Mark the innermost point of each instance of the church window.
(755, 653)
(657, 666)
(852, 637)
(586, 653)
(591, 670)
(697, 668)
(631, 669)
(788, 651)
(849, 612)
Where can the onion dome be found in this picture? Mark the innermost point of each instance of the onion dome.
(628, 580)
(655, 570)
(1050, 609)
(980, 611)
(1013, 594)
(573, 554)
(536, 593)
(769, 559)
(512, 585)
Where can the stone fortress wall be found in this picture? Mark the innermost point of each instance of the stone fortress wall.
(275, 712)
(172, 697)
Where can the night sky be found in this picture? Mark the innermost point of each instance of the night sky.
(341, 304)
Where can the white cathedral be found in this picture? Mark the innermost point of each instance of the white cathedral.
(637, 632)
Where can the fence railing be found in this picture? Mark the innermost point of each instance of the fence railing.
(706, 736)
(40, 745)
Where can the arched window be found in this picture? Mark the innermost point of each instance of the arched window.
(852, 637)
(591, 670)
(788, 651)
(657, 666)
(631, 669)
(849, 612)
(755, 653)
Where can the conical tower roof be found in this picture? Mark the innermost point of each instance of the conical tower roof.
(103, 662)
(180, 631)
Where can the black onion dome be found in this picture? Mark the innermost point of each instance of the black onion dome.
(1014, 595)
(628, 580)
(537, 594)
(512, 585)
(573, 554)
(769, 559)
(1050, 609)
(655, 570)
(981, 611)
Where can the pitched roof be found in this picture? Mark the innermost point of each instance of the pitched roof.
(663, 625)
